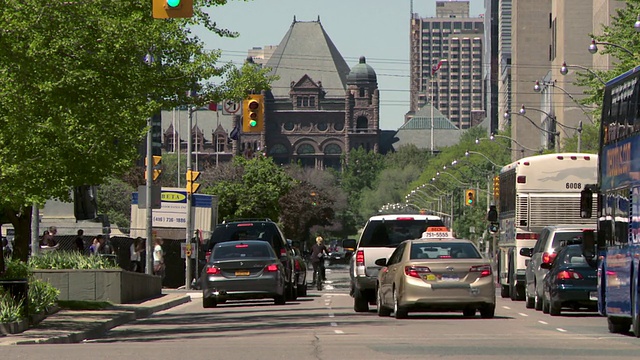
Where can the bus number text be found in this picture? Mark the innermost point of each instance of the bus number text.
(573, 185)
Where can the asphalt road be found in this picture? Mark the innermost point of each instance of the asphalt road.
(324, 326)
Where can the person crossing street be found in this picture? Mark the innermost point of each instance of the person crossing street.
(318, 252)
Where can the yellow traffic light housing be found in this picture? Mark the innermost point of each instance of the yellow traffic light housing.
(470, 197)
(171, 9)
(253, 114)
(157, 170)
(496, 187)
(192, 186)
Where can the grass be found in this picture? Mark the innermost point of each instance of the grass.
(84, 305)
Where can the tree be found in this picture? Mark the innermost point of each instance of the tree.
(114, 200)
(79, 81)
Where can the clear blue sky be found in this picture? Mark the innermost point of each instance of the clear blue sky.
(376, 29)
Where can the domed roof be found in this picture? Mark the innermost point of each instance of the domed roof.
(362, 73)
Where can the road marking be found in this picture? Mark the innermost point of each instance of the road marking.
(331, 315)
(506, 307)
(561, 329)
(338, 331)
(334, 324)
(543, 322)
(523, 314)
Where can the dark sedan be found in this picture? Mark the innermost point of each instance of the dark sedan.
(570, 282)
(239, 270)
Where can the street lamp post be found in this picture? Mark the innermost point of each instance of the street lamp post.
(516, 142)
(537, 88)
(564, 70)
(554, 133)
(555, 122)
(593, 47)
(469, 152)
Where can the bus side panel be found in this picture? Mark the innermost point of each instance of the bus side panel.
(618, 281)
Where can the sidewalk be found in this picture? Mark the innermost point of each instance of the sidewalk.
(73, 326)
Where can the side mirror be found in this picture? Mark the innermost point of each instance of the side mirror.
(586, 202)
(545, 265)
(528, 252)
(349, 244)
(381, 262)
(588, 245)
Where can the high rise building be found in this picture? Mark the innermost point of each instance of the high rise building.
(452, 43)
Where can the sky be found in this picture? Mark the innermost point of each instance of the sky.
(376, 29)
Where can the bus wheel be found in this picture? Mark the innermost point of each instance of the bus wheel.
(504, 291)
(618, 325)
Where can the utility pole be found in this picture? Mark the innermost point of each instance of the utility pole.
(187, 257)
(147, 189)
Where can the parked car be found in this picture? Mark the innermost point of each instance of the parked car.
(337, 253)
(544, 251)
(380, 236)
(571, 282)
(264, 230)
(245, 269)
(436, 275)
(300, 266)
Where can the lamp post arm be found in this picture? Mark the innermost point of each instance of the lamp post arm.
(564, 71)
(483, 155)
(615, 46)
(574, 100)
(556, 133)
(517, 143)
(454, 178)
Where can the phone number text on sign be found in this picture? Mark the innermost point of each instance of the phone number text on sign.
(437, 234)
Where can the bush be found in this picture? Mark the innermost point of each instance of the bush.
(41, 296)
(16, 269)
(63, 260)
(10, 310)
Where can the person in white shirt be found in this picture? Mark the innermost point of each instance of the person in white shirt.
(158, 258)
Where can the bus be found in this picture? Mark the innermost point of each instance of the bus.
(615, 249)
(535, 192)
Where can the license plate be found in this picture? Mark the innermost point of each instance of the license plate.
(242, 273)
(593, 296)
(337, 257)
(450, 278)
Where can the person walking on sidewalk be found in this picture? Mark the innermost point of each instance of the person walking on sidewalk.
(158, 258)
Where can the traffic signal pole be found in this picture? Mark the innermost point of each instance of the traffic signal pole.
(147, 189)
(187, 257)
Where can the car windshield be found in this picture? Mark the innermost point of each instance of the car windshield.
(449, 250)
(390, 233)
(241, 250)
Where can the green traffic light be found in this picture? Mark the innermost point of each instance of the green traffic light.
(173, 3)
(253, 123)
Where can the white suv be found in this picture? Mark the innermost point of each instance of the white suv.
(380, 236)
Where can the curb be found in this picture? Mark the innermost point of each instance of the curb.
(131, 313)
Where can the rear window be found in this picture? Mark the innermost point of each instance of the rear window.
(448, 250)
(572, 255)
(238, 251)
(559, 237)
(390, 233)
(245, 231)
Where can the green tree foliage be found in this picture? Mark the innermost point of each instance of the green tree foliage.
(77, 90)
(114, 200)
(253, 190)
(359, 173)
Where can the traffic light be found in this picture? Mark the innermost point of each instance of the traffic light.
(470, 197)
(496, 187)
(253, 114)
(156, 164)
(168, 9)
(192, 176)
(494, 227)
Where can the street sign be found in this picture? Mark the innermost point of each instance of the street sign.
(230, 107)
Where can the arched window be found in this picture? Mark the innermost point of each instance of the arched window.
(362, 92)
(278, 149)
(306, 149)
(362, 123)
(332, 149)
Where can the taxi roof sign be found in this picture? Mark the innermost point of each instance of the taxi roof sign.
(437, 232)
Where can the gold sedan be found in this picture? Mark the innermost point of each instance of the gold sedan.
(436, 275)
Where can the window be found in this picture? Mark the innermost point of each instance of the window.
(332, 149)
(305, 101)
(322, 126)
(289, 125)
(306, 149)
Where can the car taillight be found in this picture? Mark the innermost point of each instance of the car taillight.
(547, 258)
(213, 270)
(271, 268)
(568, 275)
(283, 252)
(360, 258)
(298, 267)
(207, 255)
(484, 270)
(415, 271)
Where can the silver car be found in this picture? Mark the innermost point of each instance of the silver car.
(246, 269)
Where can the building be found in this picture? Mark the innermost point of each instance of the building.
(452, 43)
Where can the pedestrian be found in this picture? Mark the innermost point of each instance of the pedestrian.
(158, 258)
(80, 241)
(48, 238)
(136, 249)
(105, 246)
(318, 252)
(95, 246)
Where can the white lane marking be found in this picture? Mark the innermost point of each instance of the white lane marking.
(338, 331)
(523, 314)
(543, 322)
(195, 295)
(334, 324)
(329, 287)
(331, 315)
(506, 307)
(561, 329)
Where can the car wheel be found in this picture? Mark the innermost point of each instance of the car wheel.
(469, 312)
(290, 292)
(399, 312)
(383, 311)
(545, 305)
(302, 290)
(209, 303)
(537, 301)
(279, 300)
(504, 291)
(360, 303)
(530, 300)
(488, 311)
(554, 308)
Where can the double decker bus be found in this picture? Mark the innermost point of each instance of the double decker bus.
(615, 250)
(535, 192)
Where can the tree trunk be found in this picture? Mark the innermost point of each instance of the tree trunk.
(21, 221)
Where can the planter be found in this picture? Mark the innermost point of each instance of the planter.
(114, 285)
(14, 327)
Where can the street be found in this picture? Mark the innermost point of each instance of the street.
(324, 326)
